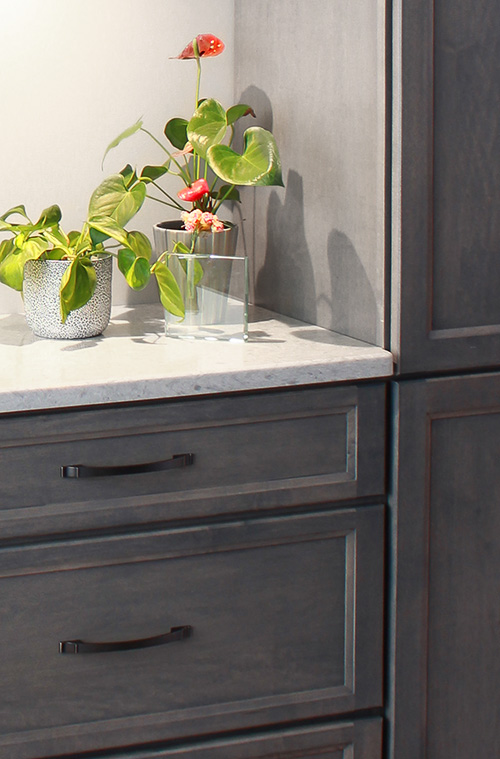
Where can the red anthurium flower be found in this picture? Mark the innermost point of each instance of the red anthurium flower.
(197, 190)
(208, 46)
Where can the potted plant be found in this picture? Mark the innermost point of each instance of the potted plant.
(199, 150)
(66, 278)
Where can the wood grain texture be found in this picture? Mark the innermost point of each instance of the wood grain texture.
(286, 616)
(446, 234)
(445, 691)
(345, 740)
(466, 187)
(251, 452)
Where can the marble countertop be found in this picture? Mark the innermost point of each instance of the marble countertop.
(133, 360)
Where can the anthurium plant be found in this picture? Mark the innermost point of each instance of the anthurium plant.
(199, 150)
(112, 205)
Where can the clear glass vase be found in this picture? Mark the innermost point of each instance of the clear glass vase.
(215, 293)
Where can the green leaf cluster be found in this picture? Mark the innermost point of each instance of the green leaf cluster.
(112, 205)
(202, 147)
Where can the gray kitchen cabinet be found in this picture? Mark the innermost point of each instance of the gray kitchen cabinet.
(239, 591)
(446, 186)
(248, 452)
(443, 673)
(445, 695)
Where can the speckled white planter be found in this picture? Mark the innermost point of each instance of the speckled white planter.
(41, 285)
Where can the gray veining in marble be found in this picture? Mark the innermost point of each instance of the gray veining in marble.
(134, 360)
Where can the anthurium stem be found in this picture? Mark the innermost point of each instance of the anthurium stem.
(173, 200)
(219, 202)
(188, 170)
(183, 174)
(197, 95)
(164, 202)
(198, 71)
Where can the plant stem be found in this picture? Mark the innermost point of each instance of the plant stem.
(173, 200)
(197, 95)
(188, 170)
(198, 80)
(164, 202)
(182, 172)
(221, 201)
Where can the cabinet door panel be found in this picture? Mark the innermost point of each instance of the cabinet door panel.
(446, 309)
(446, 698)
(286, 619)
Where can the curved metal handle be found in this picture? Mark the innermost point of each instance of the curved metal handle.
(86, 647)
(75, 471)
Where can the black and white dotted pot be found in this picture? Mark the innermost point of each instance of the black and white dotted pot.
(41, 285)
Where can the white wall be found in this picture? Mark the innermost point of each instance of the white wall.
(74, 74)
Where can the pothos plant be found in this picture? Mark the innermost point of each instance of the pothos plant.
(199, 150)
(112, 205)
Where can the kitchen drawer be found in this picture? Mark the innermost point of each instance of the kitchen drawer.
(285, 616)
(361, 739)
(244, 453)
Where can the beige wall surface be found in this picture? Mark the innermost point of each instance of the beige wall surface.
(74, 74)
(315, 73)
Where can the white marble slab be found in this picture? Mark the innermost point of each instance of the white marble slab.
(134, 360)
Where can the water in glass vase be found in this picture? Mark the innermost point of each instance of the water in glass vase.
(215, 294)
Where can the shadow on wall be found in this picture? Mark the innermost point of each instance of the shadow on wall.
(259, 101)
(351, 303)
(285, 281)
(332, 291)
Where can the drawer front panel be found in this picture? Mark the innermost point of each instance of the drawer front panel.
(329, 444)
(286, 619)
(361, 739)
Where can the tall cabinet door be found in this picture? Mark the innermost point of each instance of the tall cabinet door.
(445, 506)
(446, 185)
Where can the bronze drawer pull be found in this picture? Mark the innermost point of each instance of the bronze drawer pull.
(86, 647)
(75, 471)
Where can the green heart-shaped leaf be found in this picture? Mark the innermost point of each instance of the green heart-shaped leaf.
(77, 286)
(6, 247)
(207, 126)
(123, 136)
(180, 247)
(129, 175)
(56, 237)
(226, 192)
(56, 254)
(152, 173)
(48, 218)
(139, 244)
(170, 295)
(13, 260)
(191, 268)
(113, 198)
(106, 227)
(16, 210)
(237, 112)
(134, 268)
(176, 131)
(258, 165)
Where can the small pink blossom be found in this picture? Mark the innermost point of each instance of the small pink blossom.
(199, 221)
